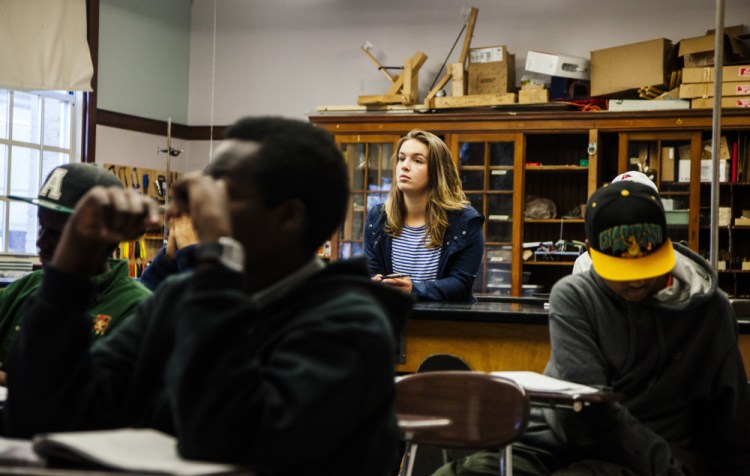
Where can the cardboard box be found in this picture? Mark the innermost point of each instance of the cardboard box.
(706, 146)
(668, 162)
(738, 72)
(628, 67)
(491, 70)
(533, 96)
(557, 65)
(705, 90)
(699, 51)
(734, 102)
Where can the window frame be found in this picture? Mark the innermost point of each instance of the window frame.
(73, 151)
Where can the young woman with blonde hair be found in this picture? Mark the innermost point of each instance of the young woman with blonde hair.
(426, 234)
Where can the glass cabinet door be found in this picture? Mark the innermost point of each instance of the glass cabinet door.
(667, 158)
(368, 161)
(487, 169)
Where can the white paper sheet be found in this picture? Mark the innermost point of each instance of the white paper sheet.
(534, 381)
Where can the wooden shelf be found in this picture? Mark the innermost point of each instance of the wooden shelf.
(555, 221)
(517, 137)
(556, 168)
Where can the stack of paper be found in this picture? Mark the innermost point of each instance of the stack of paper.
(130, 449)
(536, 382)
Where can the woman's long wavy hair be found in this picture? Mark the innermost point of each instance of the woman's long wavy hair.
(444, 190)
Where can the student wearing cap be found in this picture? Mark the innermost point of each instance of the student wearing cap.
(650, 323)
(583, 262)
(115, 293)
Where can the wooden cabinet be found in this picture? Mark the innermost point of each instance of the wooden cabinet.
(507, 158)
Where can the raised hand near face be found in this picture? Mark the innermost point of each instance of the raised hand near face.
(102, 218)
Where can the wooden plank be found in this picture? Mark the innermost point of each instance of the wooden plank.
(365, 108)
(519, 202)
(467, 37)
(412, 66)
(377, 63)
(593, 182)
(744, 343)
(380, 99)
(476, 100)
(458, 85)
(429, 100)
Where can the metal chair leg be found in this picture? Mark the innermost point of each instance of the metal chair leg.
(506, 461)
(407, 464)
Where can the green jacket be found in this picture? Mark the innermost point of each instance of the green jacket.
(115, 296)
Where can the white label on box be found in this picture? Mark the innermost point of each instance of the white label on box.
(499, 172)
(486, 55)
(742, 89)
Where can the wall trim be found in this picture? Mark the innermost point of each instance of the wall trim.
(128, 122)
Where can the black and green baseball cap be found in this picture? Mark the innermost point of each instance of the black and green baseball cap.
(66, 184)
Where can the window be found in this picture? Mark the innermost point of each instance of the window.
(38, 132)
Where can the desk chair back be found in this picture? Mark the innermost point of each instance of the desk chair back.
(483, 411)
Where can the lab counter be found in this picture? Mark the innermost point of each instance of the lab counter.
(493, 334)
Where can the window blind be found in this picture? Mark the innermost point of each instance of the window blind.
(43, 45)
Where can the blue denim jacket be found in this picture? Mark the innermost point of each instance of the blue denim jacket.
(460, 256)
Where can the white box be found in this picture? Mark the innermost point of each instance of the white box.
(557, 65)
(683, 171)
(706, 167)
(725, 216)
(647, 104)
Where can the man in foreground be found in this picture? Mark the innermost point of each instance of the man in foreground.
(115, 295)
(649, 322)
(261, 356)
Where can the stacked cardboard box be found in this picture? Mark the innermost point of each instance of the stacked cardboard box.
(626, 68)
(698, 85)
(699, 51)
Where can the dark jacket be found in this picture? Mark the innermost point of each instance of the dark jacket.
(304, 385)
(115, 296)
(460, 257)
(160, 268)
(674, 356)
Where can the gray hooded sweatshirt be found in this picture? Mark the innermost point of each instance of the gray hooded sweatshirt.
(674, 357)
